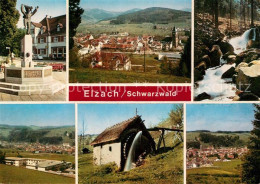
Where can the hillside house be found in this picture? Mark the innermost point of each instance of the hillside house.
(114, 61)
(113, 144)
(49, 37)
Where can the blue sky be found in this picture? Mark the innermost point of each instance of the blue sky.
(123, 5)
(46, 7)
(214, 117)
(98, 117)
(37, 114)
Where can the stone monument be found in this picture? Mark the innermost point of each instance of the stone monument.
(27, 78)
(27, 14)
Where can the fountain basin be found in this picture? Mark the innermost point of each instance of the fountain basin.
(21, 75)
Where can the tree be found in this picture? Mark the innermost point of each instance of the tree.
(252, 13)
(251, 165)
(75, 13)
(176, 116)
(2, 157)
(216, 13)
(9, 17)
(185, 63)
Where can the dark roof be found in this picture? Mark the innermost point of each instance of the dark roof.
(51, 24)
(114, 132)
(39, 25)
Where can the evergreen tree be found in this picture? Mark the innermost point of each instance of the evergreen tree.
(75, 13)
(9, 17)
(251, 165)
(185, 63)
(2, 157)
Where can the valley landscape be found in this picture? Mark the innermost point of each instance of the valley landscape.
(217, 153)
(32, 150)
(118, 47)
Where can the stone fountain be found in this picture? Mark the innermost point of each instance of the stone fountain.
(28, 78)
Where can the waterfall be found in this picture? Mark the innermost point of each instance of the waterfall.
(240, 43)
(219, 89)
(131, 155)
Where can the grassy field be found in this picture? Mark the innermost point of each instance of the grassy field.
(220, 173)
(162, 168)
(132, 29)
(89, 75)
(12, 174)
(50, 156)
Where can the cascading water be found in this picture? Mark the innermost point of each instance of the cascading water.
(131, 155)
(222, 89)
(219, 89)
(240, 43)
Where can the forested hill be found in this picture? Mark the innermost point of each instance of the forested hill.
(153, 15)
(32, 134)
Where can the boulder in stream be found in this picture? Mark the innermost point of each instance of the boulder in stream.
(248, 79)
(215, 55)
(202, 96)
(245, 96)
(229, 73)
(248, 56)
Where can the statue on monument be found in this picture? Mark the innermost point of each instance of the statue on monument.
(27, 14)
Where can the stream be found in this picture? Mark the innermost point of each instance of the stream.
(222, 89)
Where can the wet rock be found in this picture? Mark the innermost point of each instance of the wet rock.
(248, 56)
(198, 75)
(243, 64)
(202, 96)
(207, 60)
(226, 47)
(248, 79)
(215, 55)
(255, 62)
(229, 73)
(245, 96)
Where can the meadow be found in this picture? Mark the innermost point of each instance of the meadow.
(166, 167)
(12, 174)
(49, 156)
(88, 75)
(219, 173)
(133, 29)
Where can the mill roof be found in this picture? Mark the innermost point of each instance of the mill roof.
(114, 132)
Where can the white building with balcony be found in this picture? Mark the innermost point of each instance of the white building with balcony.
(49, 37)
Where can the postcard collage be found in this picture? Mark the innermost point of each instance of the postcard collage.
(130, 91)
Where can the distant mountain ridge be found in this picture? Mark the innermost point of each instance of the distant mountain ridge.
(96, 14)
(137, 16)
(154, 15)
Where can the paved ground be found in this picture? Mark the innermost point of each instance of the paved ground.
(59, 96)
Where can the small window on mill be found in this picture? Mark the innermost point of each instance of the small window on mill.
(110, 148)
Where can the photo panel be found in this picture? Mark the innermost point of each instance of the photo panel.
(133, 143)
(130, 41)
(226, 50)
(222, 143)
(37, 143)
(33, 50)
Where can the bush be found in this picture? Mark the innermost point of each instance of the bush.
(74, 59)
(106, 169)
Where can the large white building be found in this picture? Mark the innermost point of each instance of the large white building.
(49, 37)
